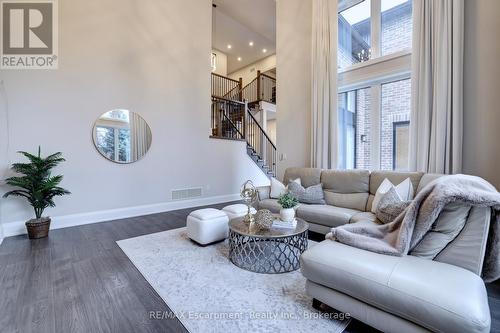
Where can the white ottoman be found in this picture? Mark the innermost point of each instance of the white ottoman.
(208, 225)
(237, 210)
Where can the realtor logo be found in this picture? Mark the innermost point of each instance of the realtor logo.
(29, 34)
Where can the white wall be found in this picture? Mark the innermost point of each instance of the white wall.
(4, 142)
(249, 73)
(271, 129)
(220, 63)
(294, 31)
(481, 91)
(150, 59)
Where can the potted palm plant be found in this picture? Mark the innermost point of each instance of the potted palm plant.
(36, 184)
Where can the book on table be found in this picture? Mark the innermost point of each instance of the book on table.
(277, 223)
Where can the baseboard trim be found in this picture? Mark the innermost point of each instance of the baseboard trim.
(65, 221)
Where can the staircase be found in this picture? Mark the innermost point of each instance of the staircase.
(232, 118)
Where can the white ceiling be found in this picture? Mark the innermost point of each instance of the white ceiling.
(237, 22)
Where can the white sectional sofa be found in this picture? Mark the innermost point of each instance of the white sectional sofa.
(393, 294)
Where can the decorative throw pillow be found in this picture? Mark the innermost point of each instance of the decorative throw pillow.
(390, 206)
(404, 189)
(311, 195)
(278, 188)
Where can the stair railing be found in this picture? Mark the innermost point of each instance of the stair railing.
(225, 87)
(228, 119)
(258, 140)
(231, 118)
(267, 88)
(262, 88)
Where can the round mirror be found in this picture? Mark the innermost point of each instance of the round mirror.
(122, 136)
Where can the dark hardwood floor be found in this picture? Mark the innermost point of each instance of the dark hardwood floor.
(79, 280)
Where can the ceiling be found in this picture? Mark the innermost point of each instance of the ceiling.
(239, 22)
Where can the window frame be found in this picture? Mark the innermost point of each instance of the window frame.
(395, 125)
(374, 73)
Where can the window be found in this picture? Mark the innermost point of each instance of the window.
(400, 136)
(347, 129)
(395, 112)
(354, 129)
(374, 96)
(354, 34)
(396, 25)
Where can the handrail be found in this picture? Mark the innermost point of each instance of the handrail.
(233, 125)
(222, 86)
(268, 76)
(226, 114)
(225, 77)
(228, 100)
(249, 83)
(261, 129)
(262, 88)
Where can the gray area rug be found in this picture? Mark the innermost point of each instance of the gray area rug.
(209, 294)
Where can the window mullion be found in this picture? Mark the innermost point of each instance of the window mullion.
(376, 22)
(375, 126)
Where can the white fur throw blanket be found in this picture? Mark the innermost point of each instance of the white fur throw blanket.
(409, 228)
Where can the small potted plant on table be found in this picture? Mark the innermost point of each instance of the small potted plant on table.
(38, 187)
(288, 204)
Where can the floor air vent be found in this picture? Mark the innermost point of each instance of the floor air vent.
(187, 193)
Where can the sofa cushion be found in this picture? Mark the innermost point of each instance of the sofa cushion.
(445, 229)
(364, 216)
(437, 296)
(310, 195)
(346, 200)
(308, 176)
(271, 204)
(390, 206)
(326, 215)
(426, 179)
(346, 188)
(346, 181)
(468, 248)
(264, 192)
(278, 188)
(404, 190)
(396, 177)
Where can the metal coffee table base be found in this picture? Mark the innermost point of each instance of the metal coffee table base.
(267, 255)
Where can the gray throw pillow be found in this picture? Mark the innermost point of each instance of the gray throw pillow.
(390, 206)
(311, 195)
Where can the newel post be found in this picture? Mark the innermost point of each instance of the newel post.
(258, 85)
(240, 89)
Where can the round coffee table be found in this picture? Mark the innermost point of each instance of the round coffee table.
(272, 251)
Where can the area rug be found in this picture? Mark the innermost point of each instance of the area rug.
(209, 294)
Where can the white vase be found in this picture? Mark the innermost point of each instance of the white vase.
(287, 214)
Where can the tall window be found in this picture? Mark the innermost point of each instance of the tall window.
(354, 34)
(354, 126)
(374, 54)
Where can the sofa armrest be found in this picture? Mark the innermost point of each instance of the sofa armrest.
(264, 192)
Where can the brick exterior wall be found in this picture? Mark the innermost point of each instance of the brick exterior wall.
(363, 129)
(395, 108)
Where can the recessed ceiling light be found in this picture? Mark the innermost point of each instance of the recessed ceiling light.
(251, 43)
(264, 50)
(229, 46)
(239, 58)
